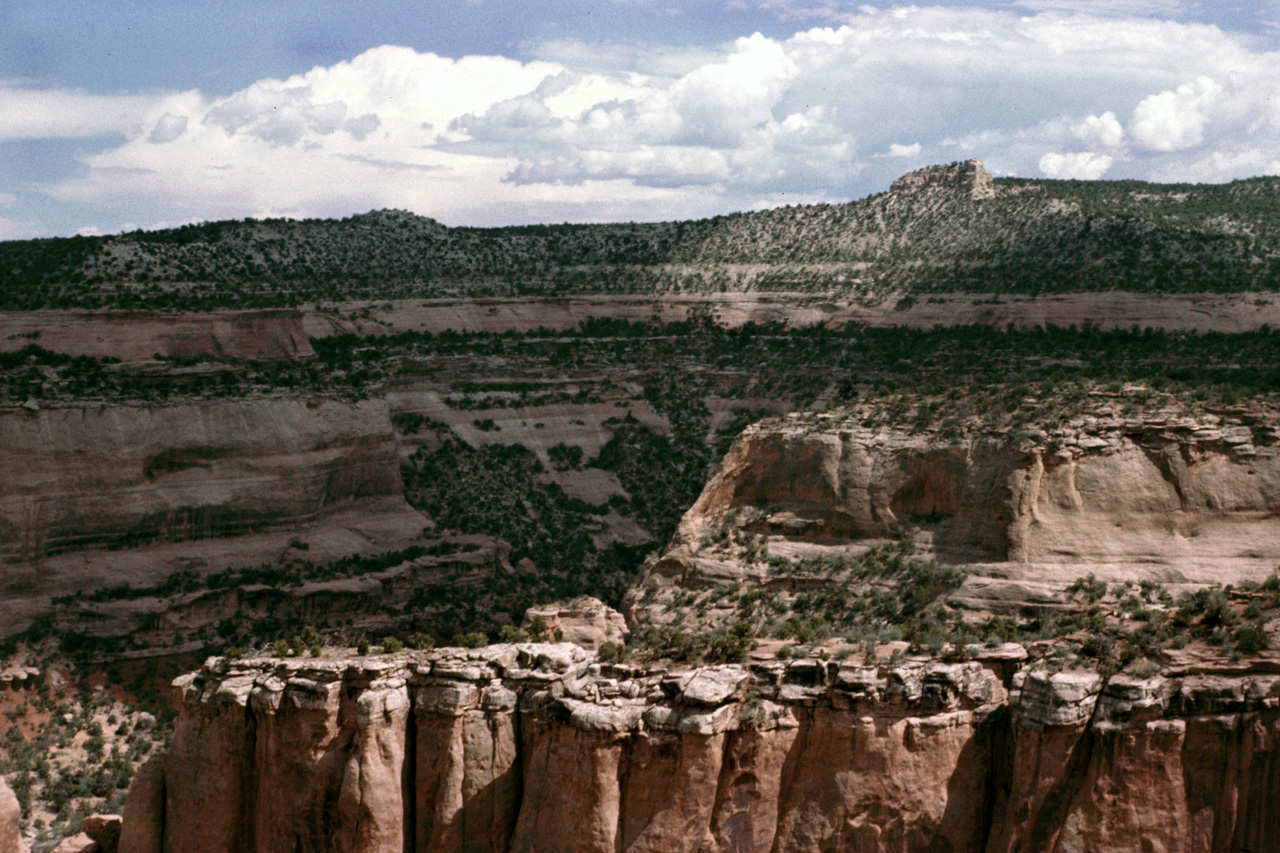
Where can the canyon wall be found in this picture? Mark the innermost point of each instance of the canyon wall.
(83, 482)
(542, 748)
(1203, 312)
(140, 335)
(115, 475)
(1174, 496)
(10, 817)
(286, 333)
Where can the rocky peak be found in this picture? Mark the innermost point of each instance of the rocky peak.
(968, 177)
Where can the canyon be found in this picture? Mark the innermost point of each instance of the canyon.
(971, 747)
(943, 521)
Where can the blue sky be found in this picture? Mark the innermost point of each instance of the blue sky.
(118, 115)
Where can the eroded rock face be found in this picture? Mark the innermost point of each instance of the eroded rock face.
(539, 747)
(87, 479)
(140, 335)
(10, 815)
(586, 622)
(1177, 495)
(969, 177)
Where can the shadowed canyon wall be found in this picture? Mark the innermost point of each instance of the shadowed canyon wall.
(118, 475)
(82, 481)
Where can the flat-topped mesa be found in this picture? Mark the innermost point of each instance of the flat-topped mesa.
(968, 176)
(541, 747)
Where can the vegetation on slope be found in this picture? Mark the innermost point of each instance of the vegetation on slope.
(1031, 237)
(940, 380)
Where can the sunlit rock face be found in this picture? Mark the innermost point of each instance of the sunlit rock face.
(539, 747)
(1170, 494)
(10, 815)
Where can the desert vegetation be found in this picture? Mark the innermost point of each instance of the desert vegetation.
(1031, 237)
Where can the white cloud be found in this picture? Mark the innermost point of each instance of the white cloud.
(600, 132)
(1104, 130)
(896, 150)
(1080, 165)
(1175, 120)
(60, 114)
(168, 128)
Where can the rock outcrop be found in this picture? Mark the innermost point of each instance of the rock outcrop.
(539, 747)
(968, 177)
(1172, 495)
(585, 621)
(10, 821)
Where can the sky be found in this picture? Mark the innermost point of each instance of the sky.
(125, 114)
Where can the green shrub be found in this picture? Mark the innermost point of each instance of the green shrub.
(470, 640)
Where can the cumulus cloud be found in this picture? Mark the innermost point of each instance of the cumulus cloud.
(1079, 165)
(1104, 129)
(588, 132)
(168, 128)
(1175, 120)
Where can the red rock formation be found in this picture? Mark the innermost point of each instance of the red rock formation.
(143, 827)
(537, 748)
(10, 816)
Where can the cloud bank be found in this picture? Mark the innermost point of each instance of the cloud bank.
(596, 133)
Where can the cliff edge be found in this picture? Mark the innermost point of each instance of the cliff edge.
(533, 747)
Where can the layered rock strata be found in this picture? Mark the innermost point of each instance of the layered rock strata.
(1176, 495)
(539, 748)
(141, 335)
(86, 487)
(122, 475)
(364, 602)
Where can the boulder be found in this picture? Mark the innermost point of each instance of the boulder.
(104, 829)
(77, 844)
(586, 622)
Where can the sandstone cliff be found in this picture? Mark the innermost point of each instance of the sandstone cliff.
(140, 335)
(115, 477)
(1163, 491)
(536, 747)
(123, 475)
(10, 814)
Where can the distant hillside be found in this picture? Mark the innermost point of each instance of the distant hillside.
(944, 228)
